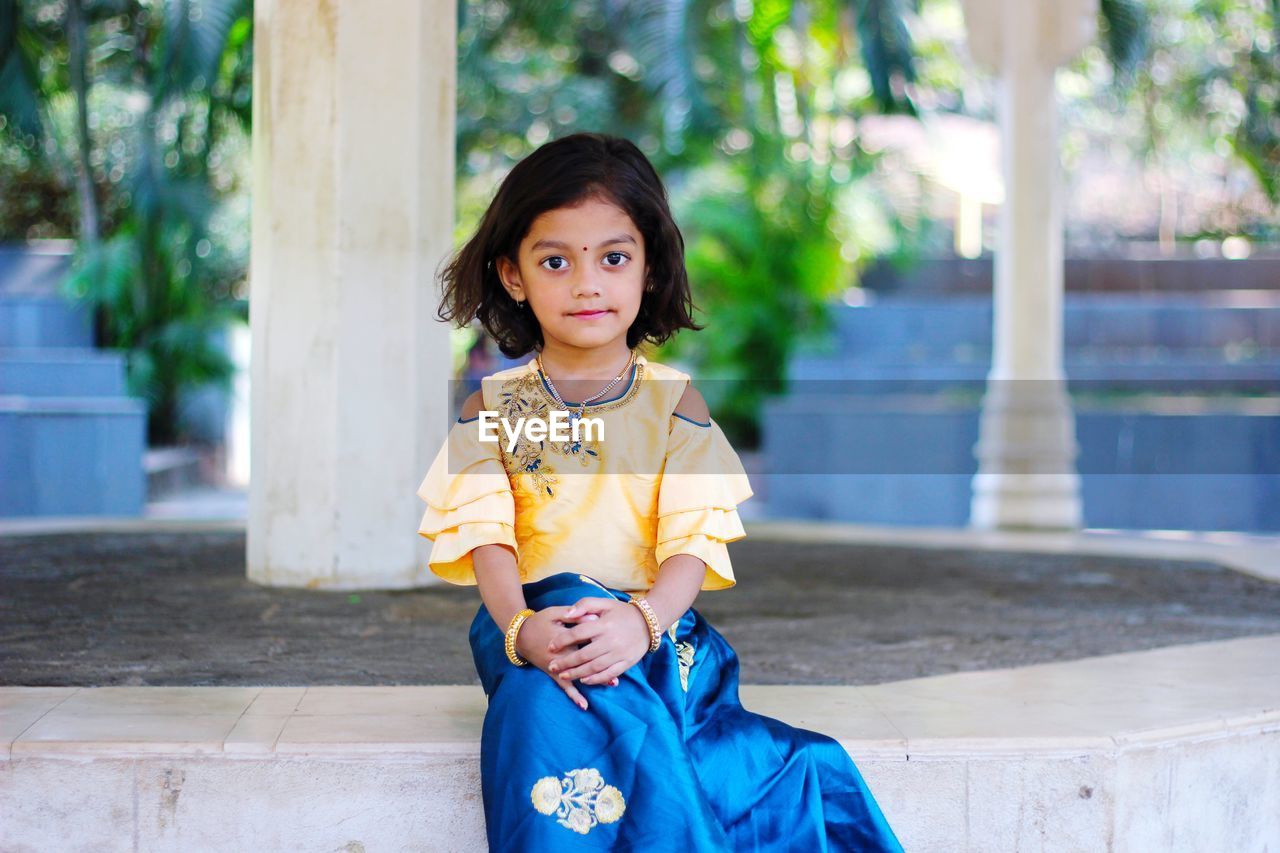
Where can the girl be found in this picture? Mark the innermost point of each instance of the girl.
(613, 718)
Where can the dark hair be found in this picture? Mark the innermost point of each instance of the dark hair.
(563, 173)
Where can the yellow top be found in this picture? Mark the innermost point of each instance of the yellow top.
(658, 484)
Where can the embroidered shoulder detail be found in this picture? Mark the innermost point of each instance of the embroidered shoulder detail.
(580, 799)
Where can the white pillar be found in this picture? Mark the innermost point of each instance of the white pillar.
(353, 163)
(1026, 448)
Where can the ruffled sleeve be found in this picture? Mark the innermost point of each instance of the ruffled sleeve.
(702, 484)
(469, 503)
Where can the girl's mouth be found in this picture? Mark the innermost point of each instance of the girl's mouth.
(588, 315)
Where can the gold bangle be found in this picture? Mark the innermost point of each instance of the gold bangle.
(512, 630)
(651, 619)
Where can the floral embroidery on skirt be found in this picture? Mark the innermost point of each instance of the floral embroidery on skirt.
(580, 799)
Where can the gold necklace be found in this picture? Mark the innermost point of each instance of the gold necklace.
(582, 406)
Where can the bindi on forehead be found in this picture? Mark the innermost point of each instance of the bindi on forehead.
(584, 248)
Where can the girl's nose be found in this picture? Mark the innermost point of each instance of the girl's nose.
(587, 284)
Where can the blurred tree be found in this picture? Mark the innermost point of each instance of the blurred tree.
(749, 111)
(746, 111)
(145, 142)
(1190, 106)
(1238, 87)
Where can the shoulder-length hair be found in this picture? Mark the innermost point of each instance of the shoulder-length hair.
(563, 173)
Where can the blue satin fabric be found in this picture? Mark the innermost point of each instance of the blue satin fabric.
(661, 768)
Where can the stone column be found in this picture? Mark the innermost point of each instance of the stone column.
(353, 163)
(1026, 448)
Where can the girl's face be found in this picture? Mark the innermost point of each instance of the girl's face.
(582, 269)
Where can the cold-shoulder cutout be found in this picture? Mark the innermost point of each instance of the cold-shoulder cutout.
(703, 482)
(471, 407)
(693, 408)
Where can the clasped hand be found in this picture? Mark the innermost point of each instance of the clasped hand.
(595, 640)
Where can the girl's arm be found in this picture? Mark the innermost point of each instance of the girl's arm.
(678, 583)
(499, 580)
(498, 576)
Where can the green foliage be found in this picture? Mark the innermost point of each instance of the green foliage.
(1201, 76)
(19, 100)
(37, 202)
(749, 113)
(764, 256)
(169, 104)
(744, 109)
(749, 110)
(159, 307)
(1125, 29)
(886, 51)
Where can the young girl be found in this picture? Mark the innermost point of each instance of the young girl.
(613, 720)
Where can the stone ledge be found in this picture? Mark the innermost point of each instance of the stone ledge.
(1119, 752)
(1102, 703)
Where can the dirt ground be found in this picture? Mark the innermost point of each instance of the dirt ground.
(171, 608)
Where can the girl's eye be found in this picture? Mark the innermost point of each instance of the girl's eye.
(614, 259)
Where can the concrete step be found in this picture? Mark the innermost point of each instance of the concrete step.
(41, 320)
(33, 313)
(72, 456)
(1196, 464)
(36, 267)
(917, 372)
(172, 470)
(1145, 271)
(890, 327)
(62, 372)
(1124, 752)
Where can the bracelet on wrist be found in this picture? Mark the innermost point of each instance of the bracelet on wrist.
(513, 629)
(650, 619)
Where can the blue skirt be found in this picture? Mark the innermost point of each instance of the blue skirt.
(667, 760)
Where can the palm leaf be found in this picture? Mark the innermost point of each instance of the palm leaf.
(660, 37)
(195, 35)
(887, 52)
(19, 91)
(1126, 28)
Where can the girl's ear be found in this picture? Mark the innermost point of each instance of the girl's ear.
(509, 275)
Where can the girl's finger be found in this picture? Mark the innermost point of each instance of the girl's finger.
(573, 693)
(577, 619)
(599, 664)
(555, 612)
(591, 604)
(563, 638)
(578, 657)
(578, 634)
(607, 676)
